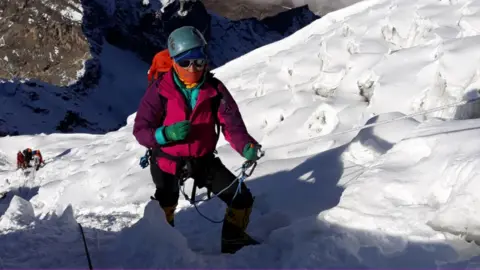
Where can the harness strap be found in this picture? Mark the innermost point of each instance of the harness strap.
(184, 166)
(184, 170)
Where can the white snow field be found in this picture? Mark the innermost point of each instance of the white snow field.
(401, 194)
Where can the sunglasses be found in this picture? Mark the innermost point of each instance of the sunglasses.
(199, 63)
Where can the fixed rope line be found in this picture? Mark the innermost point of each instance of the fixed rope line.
(464, 102)
(315, 139)
(87, 253)
(240, 179)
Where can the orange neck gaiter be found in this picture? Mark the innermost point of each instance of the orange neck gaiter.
(190, 79)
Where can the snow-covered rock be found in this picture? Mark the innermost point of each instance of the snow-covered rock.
(42, 40)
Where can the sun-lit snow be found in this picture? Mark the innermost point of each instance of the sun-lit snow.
(402, 194)
(72, 10)
(72, 14)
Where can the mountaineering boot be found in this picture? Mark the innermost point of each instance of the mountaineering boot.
(234, 236)
(169, 211)
(170, 214)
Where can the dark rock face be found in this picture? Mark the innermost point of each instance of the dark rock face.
(42, 40)
(244, 9)
(243, 36)
(144, 29)
(290, 21)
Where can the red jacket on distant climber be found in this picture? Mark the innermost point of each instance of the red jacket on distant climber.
(37, 153)
(20, 160)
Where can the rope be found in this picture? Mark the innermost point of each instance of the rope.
(459, 103)
(246, 165)
(86, 247)
(241, 178)
(408, 116)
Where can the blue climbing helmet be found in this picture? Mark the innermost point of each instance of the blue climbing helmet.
(185, 39)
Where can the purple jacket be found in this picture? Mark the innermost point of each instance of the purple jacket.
(201, 139)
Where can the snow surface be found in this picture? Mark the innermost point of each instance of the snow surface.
(402, 194)
(30, 108)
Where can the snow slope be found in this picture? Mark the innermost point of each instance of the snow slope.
(401, 194)
(36, 107)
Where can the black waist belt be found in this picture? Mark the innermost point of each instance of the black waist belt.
(185, 167)
(185, 164)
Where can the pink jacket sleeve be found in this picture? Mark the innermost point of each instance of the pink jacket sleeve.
(148, 118)
(231, 121)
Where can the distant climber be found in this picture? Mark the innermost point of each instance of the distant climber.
(183, 139)
(21, 160)
(25, 157)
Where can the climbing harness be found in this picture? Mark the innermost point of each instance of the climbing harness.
(186, 171)
(246, 170)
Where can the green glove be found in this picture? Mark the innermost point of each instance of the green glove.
(177, 131)
(250, 151)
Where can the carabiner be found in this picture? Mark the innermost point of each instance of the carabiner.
(247, 165)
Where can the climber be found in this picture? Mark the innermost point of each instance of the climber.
(24, 158)
(176, 119)
(21, 164)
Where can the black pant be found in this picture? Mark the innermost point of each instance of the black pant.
(207, 172)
